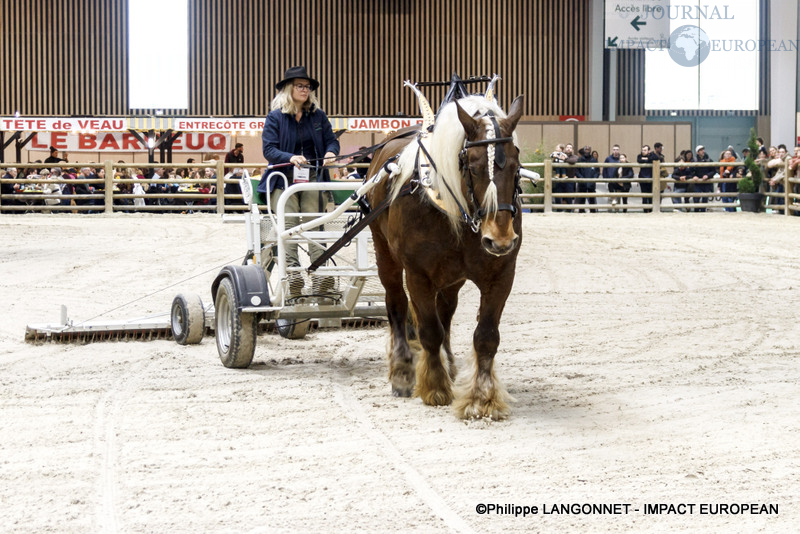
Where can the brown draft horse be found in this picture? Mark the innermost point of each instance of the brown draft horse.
(461, 222)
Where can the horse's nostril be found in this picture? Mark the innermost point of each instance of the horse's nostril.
(487, 243)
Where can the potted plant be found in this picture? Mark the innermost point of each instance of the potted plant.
(748, 187)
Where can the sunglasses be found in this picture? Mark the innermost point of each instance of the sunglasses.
(302, 87)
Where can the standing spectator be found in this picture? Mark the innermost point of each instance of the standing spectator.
(234, 156)
(727, 172)
(681, 175)
(623, 187)
(745, 153)
(559, 156)
(53, 156)
(776, 182)
(702, 175)
(646, 175)
(612, 172)
(587, 172)
(569, 186)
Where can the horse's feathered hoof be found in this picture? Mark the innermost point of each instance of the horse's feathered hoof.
(493, 409)
(435, 397)
(402, 391)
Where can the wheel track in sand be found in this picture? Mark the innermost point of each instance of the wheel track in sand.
(354, 410)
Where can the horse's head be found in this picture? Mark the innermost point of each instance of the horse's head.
(490, 166)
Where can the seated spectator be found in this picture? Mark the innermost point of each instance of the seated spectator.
(681, 174)
(234, 188)
(9, 189)
(84, 189)
(67, 188)
(51, 188)
(727, 172)
(348, 173)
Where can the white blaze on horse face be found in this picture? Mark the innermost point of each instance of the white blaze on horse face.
(497, 234)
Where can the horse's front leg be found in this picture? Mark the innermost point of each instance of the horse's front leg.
(479, 393)
(433, 382)
(446, 304)
(401, 354)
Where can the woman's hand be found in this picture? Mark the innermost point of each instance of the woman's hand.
(330, 157)
(298, 160)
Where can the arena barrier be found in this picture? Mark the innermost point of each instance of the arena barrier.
(546, 200)
(112, 193)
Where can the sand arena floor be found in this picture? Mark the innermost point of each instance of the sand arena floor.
(653, 358)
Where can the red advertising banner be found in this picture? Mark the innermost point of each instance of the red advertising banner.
(125, 142)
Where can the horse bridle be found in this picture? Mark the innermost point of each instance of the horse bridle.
(495, 155)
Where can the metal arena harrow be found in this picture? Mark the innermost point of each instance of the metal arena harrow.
(253, 298)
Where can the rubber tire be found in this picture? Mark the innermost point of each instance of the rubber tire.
(187, 319)
(235, 332)
(291, 329)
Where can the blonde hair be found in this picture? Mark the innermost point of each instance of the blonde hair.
(284, 101)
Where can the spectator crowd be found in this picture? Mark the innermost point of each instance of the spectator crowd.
(692, 183)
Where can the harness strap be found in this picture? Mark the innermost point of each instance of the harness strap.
(464, 214)
(367, 218)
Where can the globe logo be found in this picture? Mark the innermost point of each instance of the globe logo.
(689, 46)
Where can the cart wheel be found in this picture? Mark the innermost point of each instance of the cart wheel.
(187, 319)
(292, 328)
(236, 332)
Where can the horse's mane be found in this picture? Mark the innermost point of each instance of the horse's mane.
(444, 145)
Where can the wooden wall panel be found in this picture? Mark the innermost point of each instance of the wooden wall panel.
(69, 57)
(62, 57)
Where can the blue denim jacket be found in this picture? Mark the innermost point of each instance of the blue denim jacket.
(279, 138)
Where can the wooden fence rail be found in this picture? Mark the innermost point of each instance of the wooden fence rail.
(108, 198)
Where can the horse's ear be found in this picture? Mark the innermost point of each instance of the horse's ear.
(514, 114)
(470, 125)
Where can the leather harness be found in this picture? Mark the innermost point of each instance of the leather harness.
(368, 214)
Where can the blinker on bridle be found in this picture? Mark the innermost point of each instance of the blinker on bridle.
(496, 153)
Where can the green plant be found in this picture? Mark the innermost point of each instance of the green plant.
(537, 155)
(746, 185)
(752, 182)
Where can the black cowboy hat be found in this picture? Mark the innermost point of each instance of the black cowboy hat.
(296, 72)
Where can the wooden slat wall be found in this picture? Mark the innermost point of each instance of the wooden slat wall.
(62, 57)
(68, 57)
(362, 51)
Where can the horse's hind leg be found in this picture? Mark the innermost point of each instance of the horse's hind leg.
(446, 304)
(434, 385)
(480, 394)
(401, 356)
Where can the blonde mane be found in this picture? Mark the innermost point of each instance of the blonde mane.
(444, 144)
